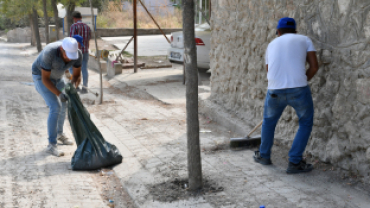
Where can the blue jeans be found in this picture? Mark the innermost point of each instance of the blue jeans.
(57, 109)
(276, 100)
(85, 72)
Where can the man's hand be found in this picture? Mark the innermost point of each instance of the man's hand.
(314, 66)
(76, 78)
(76, 81)
(63, 97)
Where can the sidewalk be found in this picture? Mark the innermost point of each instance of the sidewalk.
(144, 115)
(29, 177)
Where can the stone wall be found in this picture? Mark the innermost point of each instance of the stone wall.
(340, 30)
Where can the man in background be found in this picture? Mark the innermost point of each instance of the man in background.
(83, 30)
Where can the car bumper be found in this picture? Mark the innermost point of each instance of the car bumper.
(176, 54)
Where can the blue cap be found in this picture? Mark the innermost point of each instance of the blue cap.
(286, 22)
(79, 39)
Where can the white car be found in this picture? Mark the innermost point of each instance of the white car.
(202, 41)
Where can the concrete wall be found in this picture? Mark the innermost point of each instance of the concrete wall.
(340, 30)
(23, 35)
(114, 32)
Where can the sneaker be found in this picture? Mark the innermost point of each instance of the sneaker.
(64, 139)
(301, 167)
(52, 149)
(258, 159)
(83, 91)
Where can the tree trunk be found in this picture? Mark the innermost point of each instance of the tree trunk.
(70, 8)
(46, 19)
(33, 38)
(56, 18)
(36, 32)
(192, 120)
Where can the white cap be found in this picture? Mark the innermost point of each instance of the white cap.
(70, 46)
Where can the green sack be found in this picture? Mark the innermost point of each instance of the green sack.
(93, 152)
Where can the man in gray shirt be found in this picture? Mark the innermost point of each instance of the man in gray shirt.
(47, 72)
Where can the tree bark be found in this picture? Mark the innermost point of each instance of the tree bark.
(192, 119)
(33, 38)
(70, 8)
(46, 19)
(36, 32)
(56, 18)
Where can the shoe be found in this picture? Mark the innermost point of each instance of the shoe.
(258, 159)
(83, 91)
(78, 89)
(64, 139)
(52, 149)
(301, 167)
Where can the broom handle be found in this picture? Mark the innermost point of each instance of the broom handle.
(255, 128)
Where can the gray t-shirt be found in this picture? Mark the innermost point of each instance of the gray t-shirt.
(50, 59)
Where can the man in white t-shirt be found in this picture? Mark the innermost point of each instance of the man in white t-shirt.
(286, 58)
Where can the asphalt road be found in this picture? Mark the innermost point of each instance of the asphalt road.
(149, 45)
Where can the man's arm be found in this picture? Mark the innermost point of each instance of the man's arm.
(267, 67)
(314, 65)
(76, 77)
(45, 77)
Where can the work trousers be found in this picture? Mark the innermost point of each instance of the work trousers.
(57, 109)
(276, 101)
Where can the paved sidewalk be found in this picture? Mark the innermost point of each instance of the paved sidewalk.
(28, 176)
(144, 116)
(151, 135)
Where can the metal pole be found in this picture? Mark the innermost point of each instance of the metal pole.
(97, 54)
(155, 22)
(200, 12)
(203, 14)
(135, 35)
(124, 48)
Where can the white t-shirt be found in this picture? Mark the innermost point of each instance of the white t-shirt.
(286, 59)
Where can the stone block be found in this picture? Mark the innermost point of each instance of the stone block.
(113, 69)
(93, 64)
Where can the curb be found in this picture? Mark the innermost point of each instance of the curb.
(220, 115)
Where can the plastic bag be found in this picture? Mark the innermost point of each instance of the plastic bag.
(93, 152)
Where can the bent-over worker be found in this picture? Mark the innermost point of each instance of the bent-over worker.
(47, 72)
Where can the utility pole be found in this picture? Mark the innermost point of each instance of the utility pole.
(192, 119)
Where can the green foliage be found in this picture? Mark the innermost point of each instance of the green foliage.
(75, 2)
(17, 9)
(95, 3)
(104, 22)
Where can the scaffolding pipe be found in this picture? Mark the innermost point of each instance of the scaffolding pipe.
(155, 22)
(124, 48)
(97, 54)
